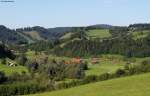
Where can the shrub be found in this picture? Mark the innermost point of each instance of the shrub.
(20, 89)
(89, 79)
(22, 59)
(3, 78)
(74, 72)
(145, 66)
(84, 66)
(32, 66)
(104, 76)
(18, 77)
(120, 72)
(3, 61)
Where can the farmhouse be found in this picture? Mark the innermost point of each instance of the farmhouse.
(77, 60)
(74, 61)
(11, 64)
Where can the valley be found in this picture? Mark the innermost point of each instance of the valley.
(76, 60)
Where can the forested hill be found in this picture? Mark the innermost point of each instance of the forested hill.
(132, 41)
(38, 33)
(5, 52)
(7, 35)
(31, 34)
(41, 33)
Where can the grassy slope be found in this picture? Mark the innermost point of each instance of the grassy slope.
(102, 68)
(67, 39)
(66, 36)
(9, 70)
(129, 86)
(35, 35)
(97, 33)
(26, 37)
(140, 34)
(106, 64)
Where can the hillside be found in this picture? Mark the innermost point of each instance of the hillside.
(28, 38)
(10, 70)
(10, 36)
(31, 34)
(99, 33)
(40, 33)
(129, 86)
(5, 52)
(140, 34)
(132, 41)
(34, 35)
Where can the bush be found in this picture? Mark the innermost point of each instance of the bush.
(89, 79)
(22, 59)
(145, 66)
(120, 72)
(74, 72)
(16, 77)
(84, 66)
(3, 78)
(32, 66)
(3, 61)
(20, 89)
(145, 62)
(104, 76)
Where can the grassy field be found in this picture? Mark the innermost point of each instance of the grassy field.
(102, 68)
(140, 34)
(66, 36)
(129, 86)
(99, 33)
(9, 70)
(107, 63)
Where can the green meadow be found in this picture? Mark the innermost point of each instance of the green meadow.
(9, 70)
(137, 85)
(99, 33)
(140, 34)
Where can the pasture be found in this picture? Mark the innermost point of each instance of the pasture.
(137, 85)
(9, 70)
(140, 34)
(99, 33)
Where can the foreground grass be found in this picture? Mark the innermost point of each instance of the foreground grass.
(129, 86)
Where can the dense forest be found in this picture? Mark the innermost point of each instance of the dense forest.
(9, 36)
(120, 42)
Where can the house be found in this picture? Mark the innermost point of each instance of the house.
(74, 61)
(11, 64)
(77, 60)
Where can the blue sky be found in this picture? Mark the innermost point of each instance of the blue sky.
(56, 13)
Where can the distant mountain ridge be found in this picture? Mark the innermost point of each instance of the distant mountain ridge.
(103, 26)
(8, 35)
(36, 33)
